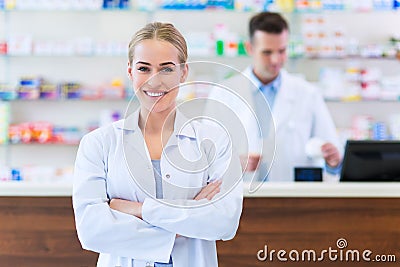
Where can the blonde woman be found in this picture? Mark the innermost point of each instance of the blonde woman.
(152, 190)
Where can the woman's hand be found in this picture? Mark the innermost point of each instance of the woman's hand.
(209, 191)
(129, 207)
(135, 208)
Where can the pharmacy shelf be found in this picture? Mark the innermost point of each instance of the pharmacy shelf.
(61, 56)
(208, 57)
(96, 70)
(68, 100)
(10, 145)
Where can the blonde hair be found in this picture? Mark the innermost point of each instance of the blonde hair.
(163, 32)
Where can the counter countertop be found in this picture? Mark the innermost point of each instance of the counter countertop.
(48, 189)
(35, 189)
(324, 189)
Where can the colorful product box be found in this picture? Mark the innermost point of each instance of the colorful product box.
(3, 48)
(29, 88)
(49, 91)
(176, 4)
(70, 90)
(41, 132)
(226, 4)
(107, 4)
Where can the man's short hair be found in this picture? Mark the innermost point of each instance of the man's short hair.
(269, 22)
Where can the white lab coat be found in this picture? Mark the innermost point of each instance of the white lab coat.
(108, 159)
(299, 114)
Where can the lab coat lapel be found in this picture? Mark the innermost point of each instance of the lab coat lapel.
(184, 131)
(137, 156)
(284, 103)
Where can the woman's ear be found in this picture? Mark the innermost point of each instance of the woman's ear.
(129, 71)
(185, 71)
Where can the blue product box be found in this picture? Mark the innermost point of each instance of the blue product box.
(110, 4)
(29, 88)
(184, 4)
(382, 4)
(16, 175)
(123, 4)
(379, 131)
(227, 4)
(8, 95)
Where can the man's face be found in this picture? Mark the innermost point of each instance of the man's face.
(268, 51)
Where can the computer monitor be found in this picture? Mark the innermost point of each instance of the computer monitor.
(371, 161)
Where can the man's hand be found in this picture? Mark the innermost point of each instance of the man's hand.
(331, 154)
(130, 207)
(250, 162)
(209, 191)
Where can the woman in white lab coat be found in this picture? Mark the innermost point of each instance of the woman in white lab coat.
(156, 189)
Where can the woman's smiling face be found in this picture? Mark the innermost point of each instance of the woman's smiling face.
(156, 74)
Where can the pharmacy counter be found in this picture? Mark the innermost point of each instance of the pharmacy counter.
(326, 190)
(37, 226)
(35, 189)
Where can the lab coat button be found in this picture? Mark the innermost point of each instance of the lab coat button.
(148, 264)
(167, 176)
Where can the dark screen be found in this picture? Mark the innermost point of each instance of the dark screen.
(308, 174)
(373, 161)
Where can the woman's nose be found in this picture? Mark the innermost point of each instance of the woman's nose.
(154, 81)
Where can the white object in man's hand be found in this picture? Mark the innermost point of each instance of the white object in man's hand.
(314, 148)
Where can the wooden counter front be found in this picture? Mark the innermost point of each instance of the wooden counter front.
(315, 224)
(40, 231)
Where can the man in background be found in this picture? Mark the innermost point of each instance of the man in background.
(300, 126)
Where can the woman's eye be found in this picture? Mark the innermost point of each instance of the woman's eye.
(167, 69)
(143, 69)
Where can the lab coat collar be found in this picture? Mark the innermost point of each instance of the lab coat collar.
(284, 100)
(283, 109)
(181, 125)
(287, 86)
(277, 82)
(136, 151)
(249, 73)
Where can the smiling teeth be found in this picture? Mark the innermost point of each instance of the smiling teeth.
(155, 94)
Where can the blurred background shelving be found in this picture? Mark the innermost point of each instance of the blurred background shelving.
(349, 49)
